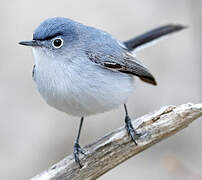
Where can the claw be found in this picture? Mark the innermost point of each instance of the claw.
(130, 130)
(78, 150)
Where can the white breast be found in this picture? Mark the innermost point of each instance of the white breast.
(80, 87)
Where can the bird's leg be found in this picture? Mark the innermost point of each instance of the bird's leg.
(129, 127)
(77, 147)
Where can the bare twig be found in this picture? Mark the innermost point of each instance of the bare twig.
(116, 147)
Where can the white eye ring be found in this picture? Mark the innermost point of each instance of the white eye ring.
(57, 43)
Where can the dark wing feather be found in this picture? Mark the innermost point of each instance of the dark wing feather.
(125, 63)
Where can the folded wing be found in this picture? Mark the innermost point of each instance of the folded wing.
(123, 62)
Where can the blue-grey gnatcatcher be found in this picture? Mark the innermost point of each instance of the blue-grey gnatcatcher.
(82, 71)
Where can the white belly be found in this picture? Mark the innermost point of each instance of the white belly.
(83, 89)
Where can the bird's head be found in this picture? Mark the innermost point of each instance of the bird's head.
(55, 37)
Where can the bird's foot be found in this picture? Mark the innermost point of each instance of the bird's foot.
(130, 130)
(78, 150)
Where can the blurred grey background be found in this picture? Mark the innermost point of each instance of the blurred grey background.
(33, 135)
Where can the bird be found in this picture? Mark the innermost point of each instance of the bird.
(82, 70)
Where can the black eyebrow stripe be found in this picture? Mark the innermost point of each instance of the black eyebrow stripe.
(48, 37)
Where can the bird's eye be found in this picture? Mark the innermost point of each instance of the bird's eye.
(57, 43)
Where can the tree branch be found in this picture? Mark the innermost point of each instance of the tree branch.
(116, 147)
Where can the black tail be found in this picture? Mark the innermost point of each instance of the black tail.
(152, 35)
